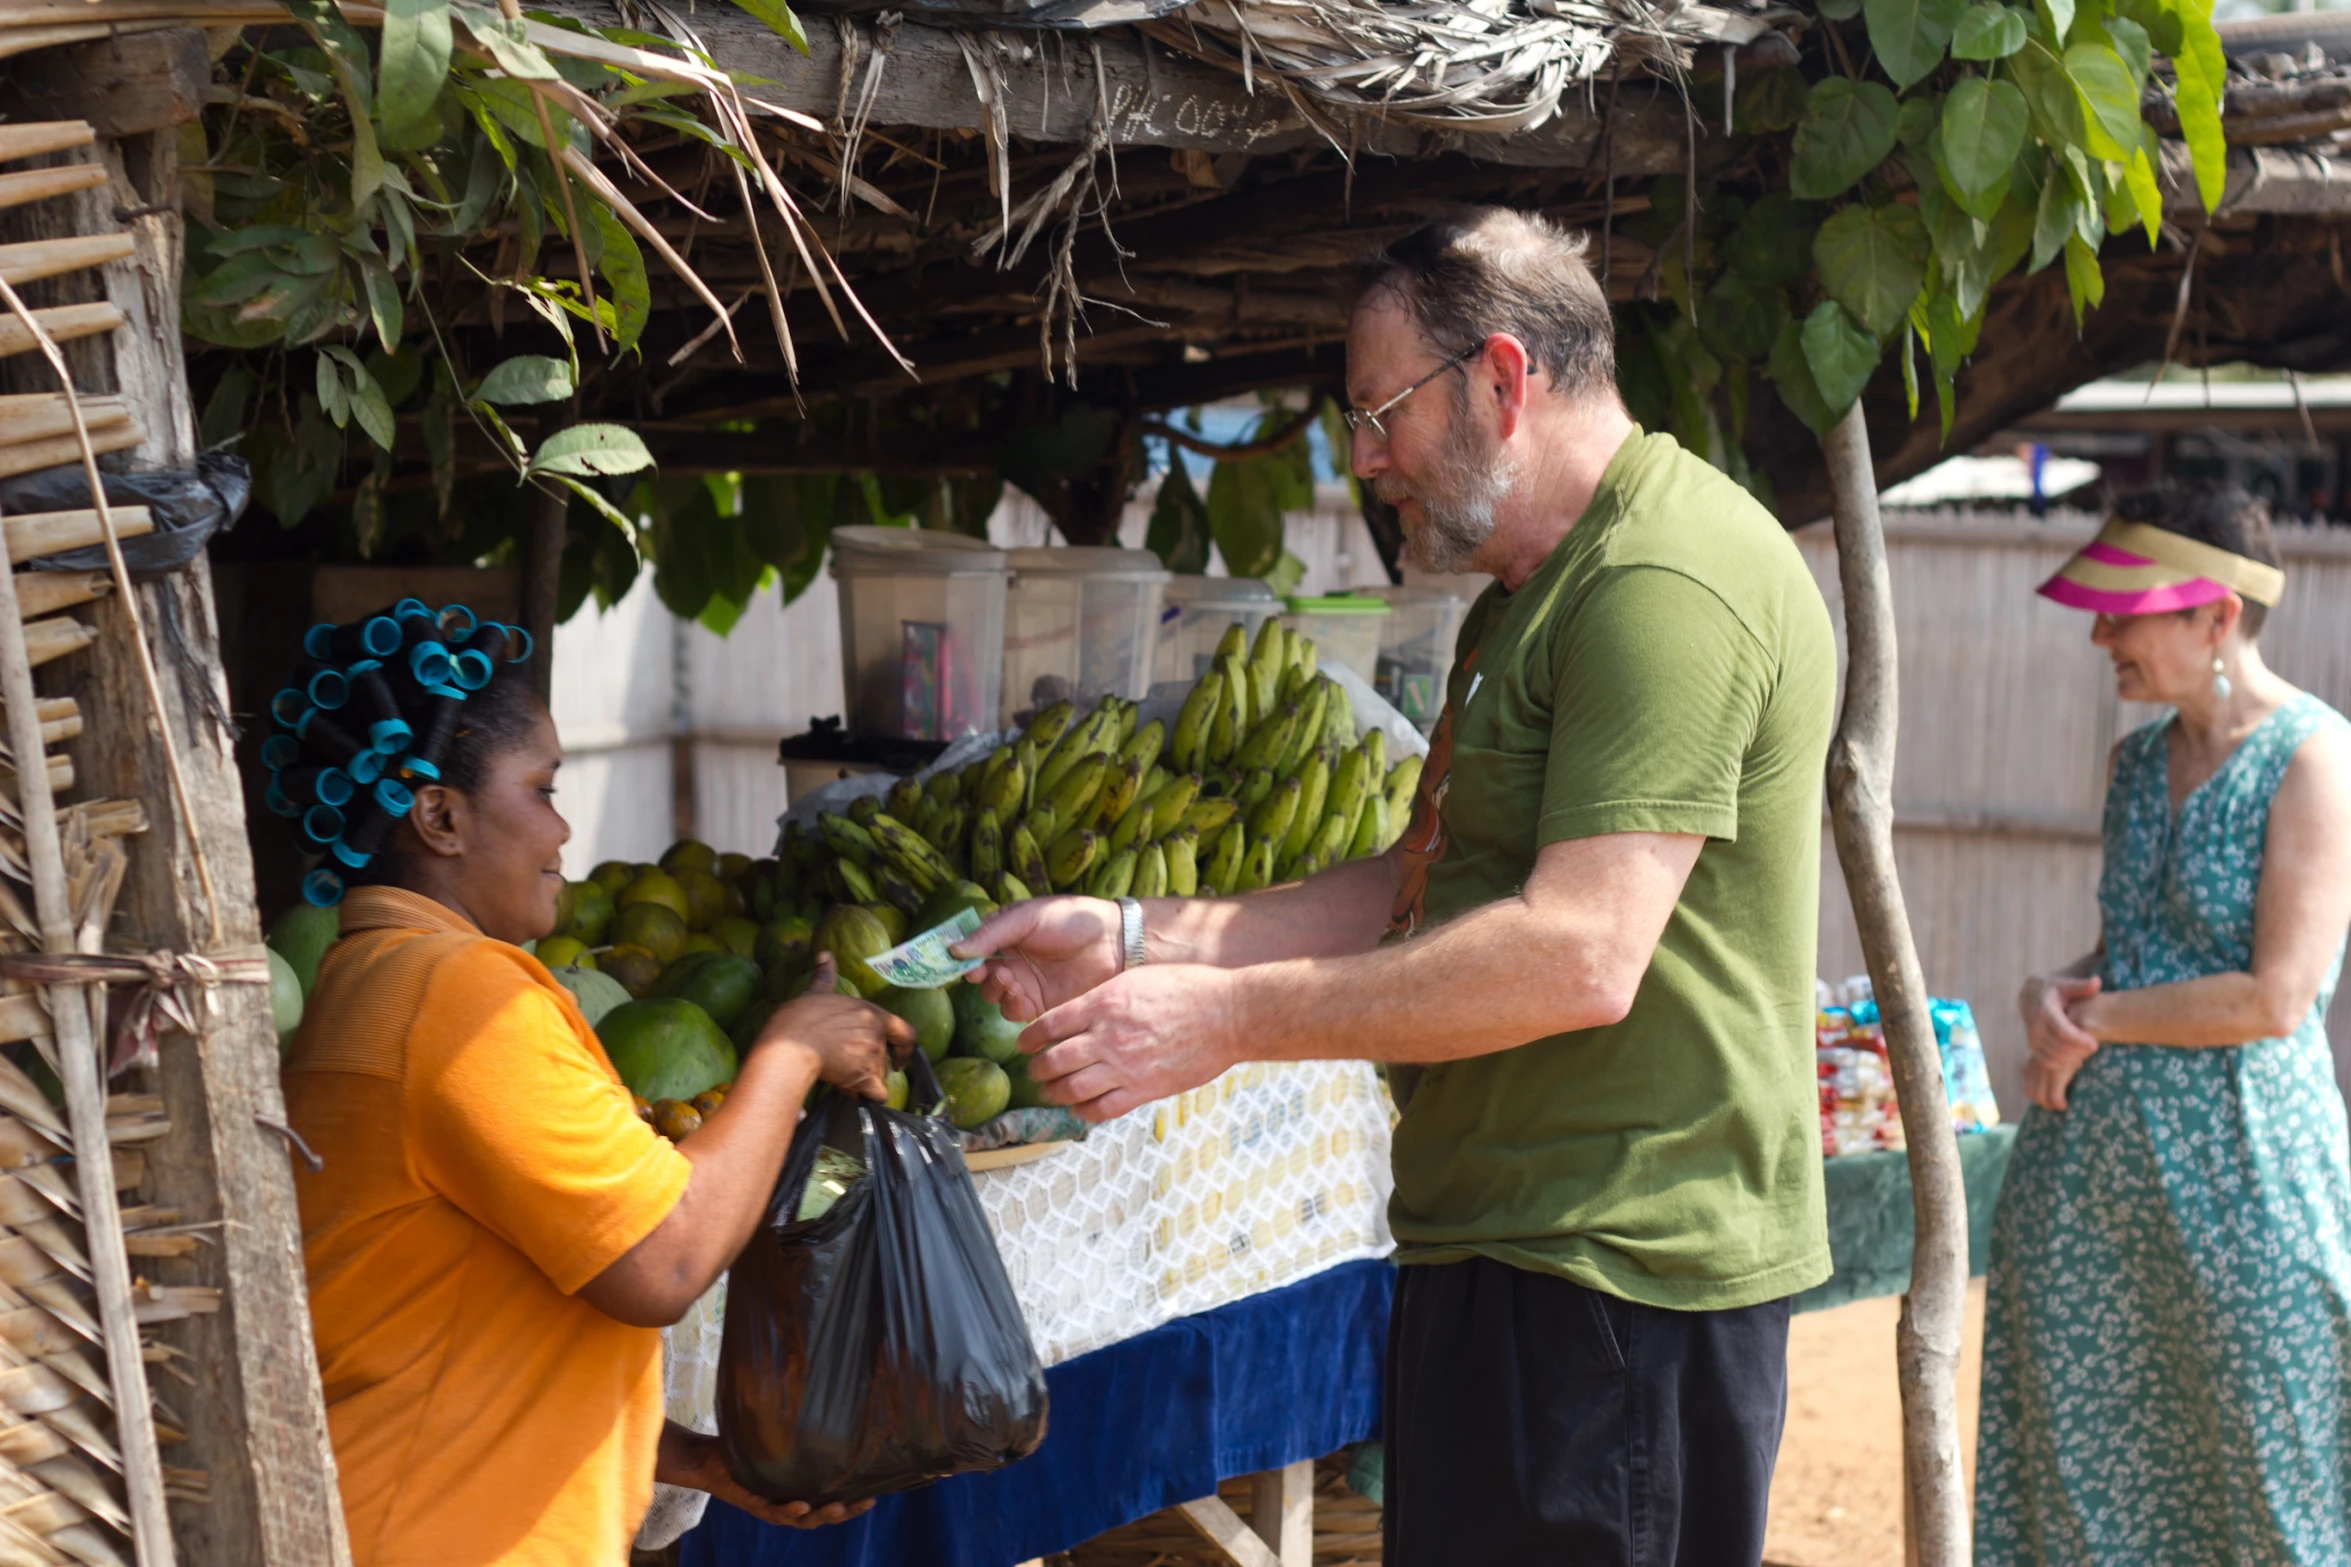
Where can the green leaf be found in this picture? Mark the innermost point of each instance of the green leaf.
(373, 412)
(1769, 100)
(224, 410)
(1988, 32)
(1873, 261)
(414, 60)
(592, 448)
(2056, 219)
(1739, 319)
(1245, 514)
(1839, 10)
(1847, 130)
(1983, 130)
(2202, 71)
(1910, 368)
(1793, 379)
(1179, 522)
(2139, 177)
(2084, 282)
(225, 243)
(1840, 352)
(331, 394)
(622, 266)
(2132, 44)
(508, 43)
(1773, 243)
(2059, 15)
(1910, 35)
(779, 16)
(2110, 96)
(383, 302)
(527, 378)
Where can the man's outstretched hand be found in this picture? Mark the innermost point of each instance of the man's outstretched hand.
(1044, 952)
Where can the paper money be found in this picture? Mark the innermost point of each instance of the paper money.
(922, 962)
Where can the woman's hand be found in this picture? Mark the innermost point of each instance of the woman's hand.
(852, 1040)
(692, 1460)
(2054, 1033)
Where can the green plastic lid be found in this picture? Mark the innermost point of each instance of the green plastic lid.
(1338, 604)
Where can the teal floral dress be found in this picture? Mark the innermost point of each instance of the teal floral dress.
(2167, 1348)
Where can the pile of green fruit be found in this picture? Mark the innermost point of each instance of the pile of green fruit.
(1262, 780)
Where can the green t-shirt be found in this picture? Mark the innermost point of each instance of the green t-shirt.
(1670, 669)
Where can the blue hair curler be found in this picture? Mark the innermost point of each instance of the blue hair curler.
(322, 824)
(355, 858)
(280, 751)
(322, 888)
(516, 635)
(318, 641)
(393, 797)
(316, 785)
(428, 662)
(365, 766)
(331, 739)
(470, 669)
(288, 706)
(418, 767)
(447, 702)
(329, 688)
(386, 729)
(374, 637)
(275, 799)
(457, 622)
(409, 606)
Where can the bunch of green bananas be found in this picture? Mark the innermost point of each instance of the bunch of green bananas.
(1262, 780)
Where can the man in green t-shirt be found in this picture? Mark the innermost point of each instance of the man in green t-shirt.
(1592, 951)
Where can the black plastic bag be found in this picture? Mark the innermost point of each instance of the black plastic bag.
(878, 1346)
(188, 508)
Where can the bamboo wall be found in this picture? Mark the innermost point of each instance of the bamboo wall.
(2008, 715)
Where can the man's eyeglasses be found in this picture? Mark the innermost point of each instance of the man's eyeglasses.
(1362, 419)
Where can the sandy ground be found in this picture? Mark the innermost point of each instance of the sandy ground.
(1836, 1498)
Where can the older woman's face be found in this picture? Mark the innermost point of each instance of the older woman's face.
(2162, 657)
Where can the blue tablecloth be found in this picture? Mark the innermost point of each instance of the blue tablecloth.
(1141, 1425)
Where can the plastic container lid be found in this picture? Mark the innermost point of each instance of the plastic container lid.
(1247, 592)
(1402, 596)
(905, 552)
(1338, 604)
(1084, 560)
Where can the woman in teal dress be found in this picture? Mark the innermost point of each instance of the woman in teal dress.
(2167, 1346)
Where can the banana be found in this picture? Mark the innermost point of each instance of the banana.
(1307, 865)
(1328, 845)
(1010, 889)
(945, 788)
(1256, 868)
(1314, 779)
(912, 853)
(861, 810)
(1272, 816)
(1396, 826)
(1294, 682)
(1169, 803)
(1122, 786)
(1304, 655)
(1208, 817)
(1188, 744)
(926, 816)
(1375, 751)
(1127, 713)
(1022, 858)
(856, 883)
(1181, 853)
(1350, 787)
(1145, 744)
(1265, 666)
(1269, 742)
(1231, 726)
(1371, 833)
(1114, 877)
(1078, 788)
(1155, 780)
(1046, 729)
(836, 889)
(987, 848)
(1029, 756)
(1089, 735)
(848, 840)
(1254, 788)
(1224, 859)
(1403, 783)
(1042, 822)
(1004, 788)
(1150, 873)
(895, 888)
(1071, 855)
(1338, 716)
(1234, 643)
(954, 829)
(1133, 824)
(904, 800)
(1309, 731)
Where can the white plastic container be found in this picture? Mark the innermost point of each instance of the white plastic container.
(1416, 649)
(1197, 611)
(1345, 628)
(922, 631)
(1079, 623)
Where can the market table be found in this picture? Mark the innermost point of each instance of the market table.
(1870, 1220)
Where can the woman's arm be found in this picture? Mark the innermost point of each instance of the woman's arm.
(2059, 1045)
(2300, 912)
(739, 1151)
(692, 1460)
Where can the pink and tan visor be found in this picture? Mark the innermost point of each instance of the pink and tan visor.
(2135, 568)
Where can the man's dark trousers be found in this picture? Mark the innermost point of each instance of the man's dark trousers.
(1535, 1423)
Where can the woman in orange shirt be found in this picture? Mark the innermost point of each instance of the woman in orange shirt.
(496, 1237)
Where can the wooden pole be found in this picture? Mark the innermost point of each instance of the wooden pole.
(1861, 812)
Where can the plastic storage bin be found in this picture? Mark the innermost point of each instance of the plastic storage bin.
(1416, 649)
(1195, 616)
(1079, 622)
(922, 631)
(1345, 627)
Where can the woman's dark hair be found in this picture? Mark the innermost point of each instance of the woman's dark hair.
(379, 707)
(2210, 511)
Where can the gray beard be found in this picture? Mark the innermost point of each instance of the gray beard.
(1457, 502)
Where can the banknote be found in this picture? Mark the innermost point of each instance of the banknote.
(922, 962)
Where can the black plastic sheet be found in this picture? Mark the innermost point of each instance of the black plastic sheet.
(877, 1347)
(188, 506)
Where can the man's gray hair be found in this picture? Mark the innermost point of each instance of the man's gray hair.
(1491, 269)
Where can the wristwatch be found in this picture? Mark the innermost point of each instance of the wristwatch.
(1130, 933)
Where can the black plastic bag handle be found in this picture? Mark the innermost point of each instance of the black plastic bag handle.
(839, 1112)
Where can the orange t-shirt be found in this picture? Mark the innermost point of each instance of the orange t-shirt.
(483, 1162)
